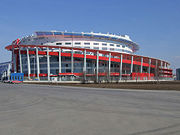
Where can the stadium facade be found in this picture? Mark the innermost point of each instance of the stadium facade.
(73, 56)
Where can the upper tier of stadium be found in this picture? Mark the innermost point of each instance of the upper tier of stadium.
(53, 37)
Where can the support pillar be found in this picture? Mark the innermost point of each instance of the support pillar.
(149, 69)
(13, 59)
(84, 68)
(15, 63)
(156, 70)
(120, 68)
(9, 71)
(48, 64)
(37, 63)
(161, 71)
(141, 64)
(72, 64)
(97, 67)
(156, 64)
(60, 63)
(20, 60)
(132, 63)
(109, 67)
(28, 64)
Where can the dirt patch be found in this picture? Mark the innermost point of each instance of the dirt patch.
(163, 85)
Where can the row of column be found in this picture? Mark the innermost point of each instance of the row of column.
(72, 64)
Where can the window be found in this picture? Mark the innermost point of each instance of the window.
(58, 43)
(96, 43)
(104, 48)
(111, 44)
(77, 43)
(87, 43)
(112, 49)
(123, 46)
(118, 45)
(118, 50)
(68, 43)
(104, 44)
(96, 48)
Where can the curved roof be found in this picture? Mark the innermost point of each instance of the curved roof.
(118, 38)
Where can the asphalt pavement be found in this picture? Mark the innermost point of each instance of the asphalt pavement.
(27, 109)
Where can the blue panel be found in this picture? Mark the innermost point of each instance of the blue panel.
(122, 40)
(68, 33)
(58, 33)
(114, 38)
(17, 76)
(77, 34)
(40, 33)
(98, 36)
(105, 37)
(44, 33)
(88, 35)
(48, 33)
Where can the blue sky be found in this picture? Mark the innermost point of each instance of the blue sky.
(153, 24)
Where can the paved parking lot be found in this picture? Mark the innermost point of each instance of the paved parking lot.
(57, 110)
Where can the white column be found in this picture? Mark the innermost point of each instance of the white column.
(48, 64)
(72, 63)
(156, 70)
(13, 64)
(141, 64)
(156, 64)
(149, 70)
(84, 68)
(109, 67)
(60, 63)
(9, 71)
(37, 63)
(120, 68)
(28, 64)
(97, 67)
(164, 64)
(167, 66)
(14, 59)
(20, 60)
(132, 63)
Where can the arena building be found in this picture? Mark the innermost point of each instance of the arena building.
(73, 56)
